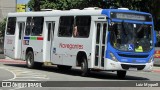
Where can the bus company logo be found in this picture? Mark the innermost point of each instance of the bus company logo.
(26, 42)
(9, 41)
(71, 46)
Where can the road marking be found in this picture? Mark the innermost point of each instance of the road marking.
(23, 74)
(14, 75)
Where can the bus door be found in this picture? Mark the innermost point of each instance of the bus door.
(21, 26)
(50, 38)
(10, 37)
(100, 46)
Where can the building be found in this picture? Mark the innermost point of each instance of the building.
(7, 6)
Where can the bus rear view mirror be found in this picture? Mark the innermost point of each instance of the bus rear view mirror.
(155, 38)
(111, 26)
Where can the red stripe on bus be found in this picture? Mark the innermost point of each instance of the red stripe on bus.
(39, 38)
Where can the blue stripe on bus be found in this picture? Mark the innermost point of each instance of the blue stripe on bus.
(27, 38)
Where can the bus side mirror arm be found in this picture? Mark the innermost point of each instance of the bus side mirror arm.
(110, 20)
(110, 25)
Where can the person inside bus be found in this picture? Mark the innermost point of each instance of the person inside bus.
(75, 31)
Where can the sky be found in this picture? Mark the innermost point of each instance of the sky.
(22, 1)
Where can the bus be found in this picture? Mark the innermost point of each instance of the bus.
(90, 39)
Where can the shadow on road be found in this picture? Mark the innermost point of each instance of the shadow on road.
(76, 72)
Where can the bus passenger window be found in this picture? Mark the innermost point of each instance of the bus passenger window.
(65, 26)
(83, 26)
(11, 25)
(21, 29)
(37, 26)
(49, 31)
(28, 26)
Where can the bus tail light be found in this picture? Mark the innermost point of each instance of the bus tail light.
(113, 57)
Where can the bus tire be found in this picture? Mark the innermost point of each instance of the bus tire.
(84, 67)
(121, 74)
(62, 67)
(30, 60)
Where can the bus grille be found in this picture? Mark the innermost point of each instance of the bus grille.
(133, 56)
(139, 67)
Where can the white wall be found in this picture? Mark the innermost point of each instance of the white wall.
(6, 6)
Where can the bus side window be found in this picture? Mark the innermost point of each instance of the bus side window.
(11, 26)
(21, 29)
(28, 26)
(83, 26)
(65, 26)
(49, 31)
(37, 26)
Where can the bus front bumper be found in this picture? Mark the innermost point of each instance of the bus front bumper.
(113, 65)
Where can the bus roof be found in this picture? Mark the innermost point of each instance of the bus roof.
(57, 13)
(74, 12)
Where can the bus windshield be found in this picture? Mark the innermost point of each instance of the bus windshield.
(132, 37)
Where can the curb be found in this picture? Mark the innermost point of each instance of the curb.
(10, 61)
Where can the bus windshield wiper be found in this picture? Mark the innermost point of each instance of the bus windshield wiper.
(140, 28)
(123, 27)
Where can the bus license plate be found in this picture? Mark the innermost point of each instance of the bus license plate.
(133, 69)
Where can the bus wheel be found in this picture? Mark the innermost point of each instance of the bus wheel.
(121, 74)
(62, 67)
(84, 67)
(30, 59)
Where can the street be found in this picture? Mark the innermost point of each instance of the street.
(16, 70)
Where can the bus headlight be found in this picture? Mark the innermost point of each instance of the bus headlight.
(113, 57)
(151, 59)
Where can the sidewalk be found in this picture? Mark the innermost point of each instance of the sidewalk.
(7, 61)
(11, 61)
(156, 69)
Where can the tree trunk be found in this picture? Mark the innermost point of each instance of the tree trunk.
(37, 5)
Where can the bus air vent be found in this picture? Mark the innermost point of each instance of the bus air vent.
(133, 56)
(139, 67)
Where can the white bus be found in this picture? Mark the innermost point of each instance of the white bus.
(81, 38)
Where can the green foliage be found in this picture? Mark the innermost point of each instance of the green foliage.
(2, 27)
(151, 6)
(34, 5)
(55, 4)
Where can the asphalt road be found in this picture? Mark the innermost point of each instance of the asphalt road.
(16, 71)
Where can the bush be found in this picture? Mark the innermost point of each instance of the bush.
(2, 28)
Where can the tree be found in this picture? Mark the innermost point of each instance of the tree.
(34, 5)
(67, 4)
(37, 5)
(54, 4)
(151, 6)
(2, 27)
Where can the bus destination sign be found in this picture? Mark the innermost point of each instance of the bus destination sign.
(130, 16)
